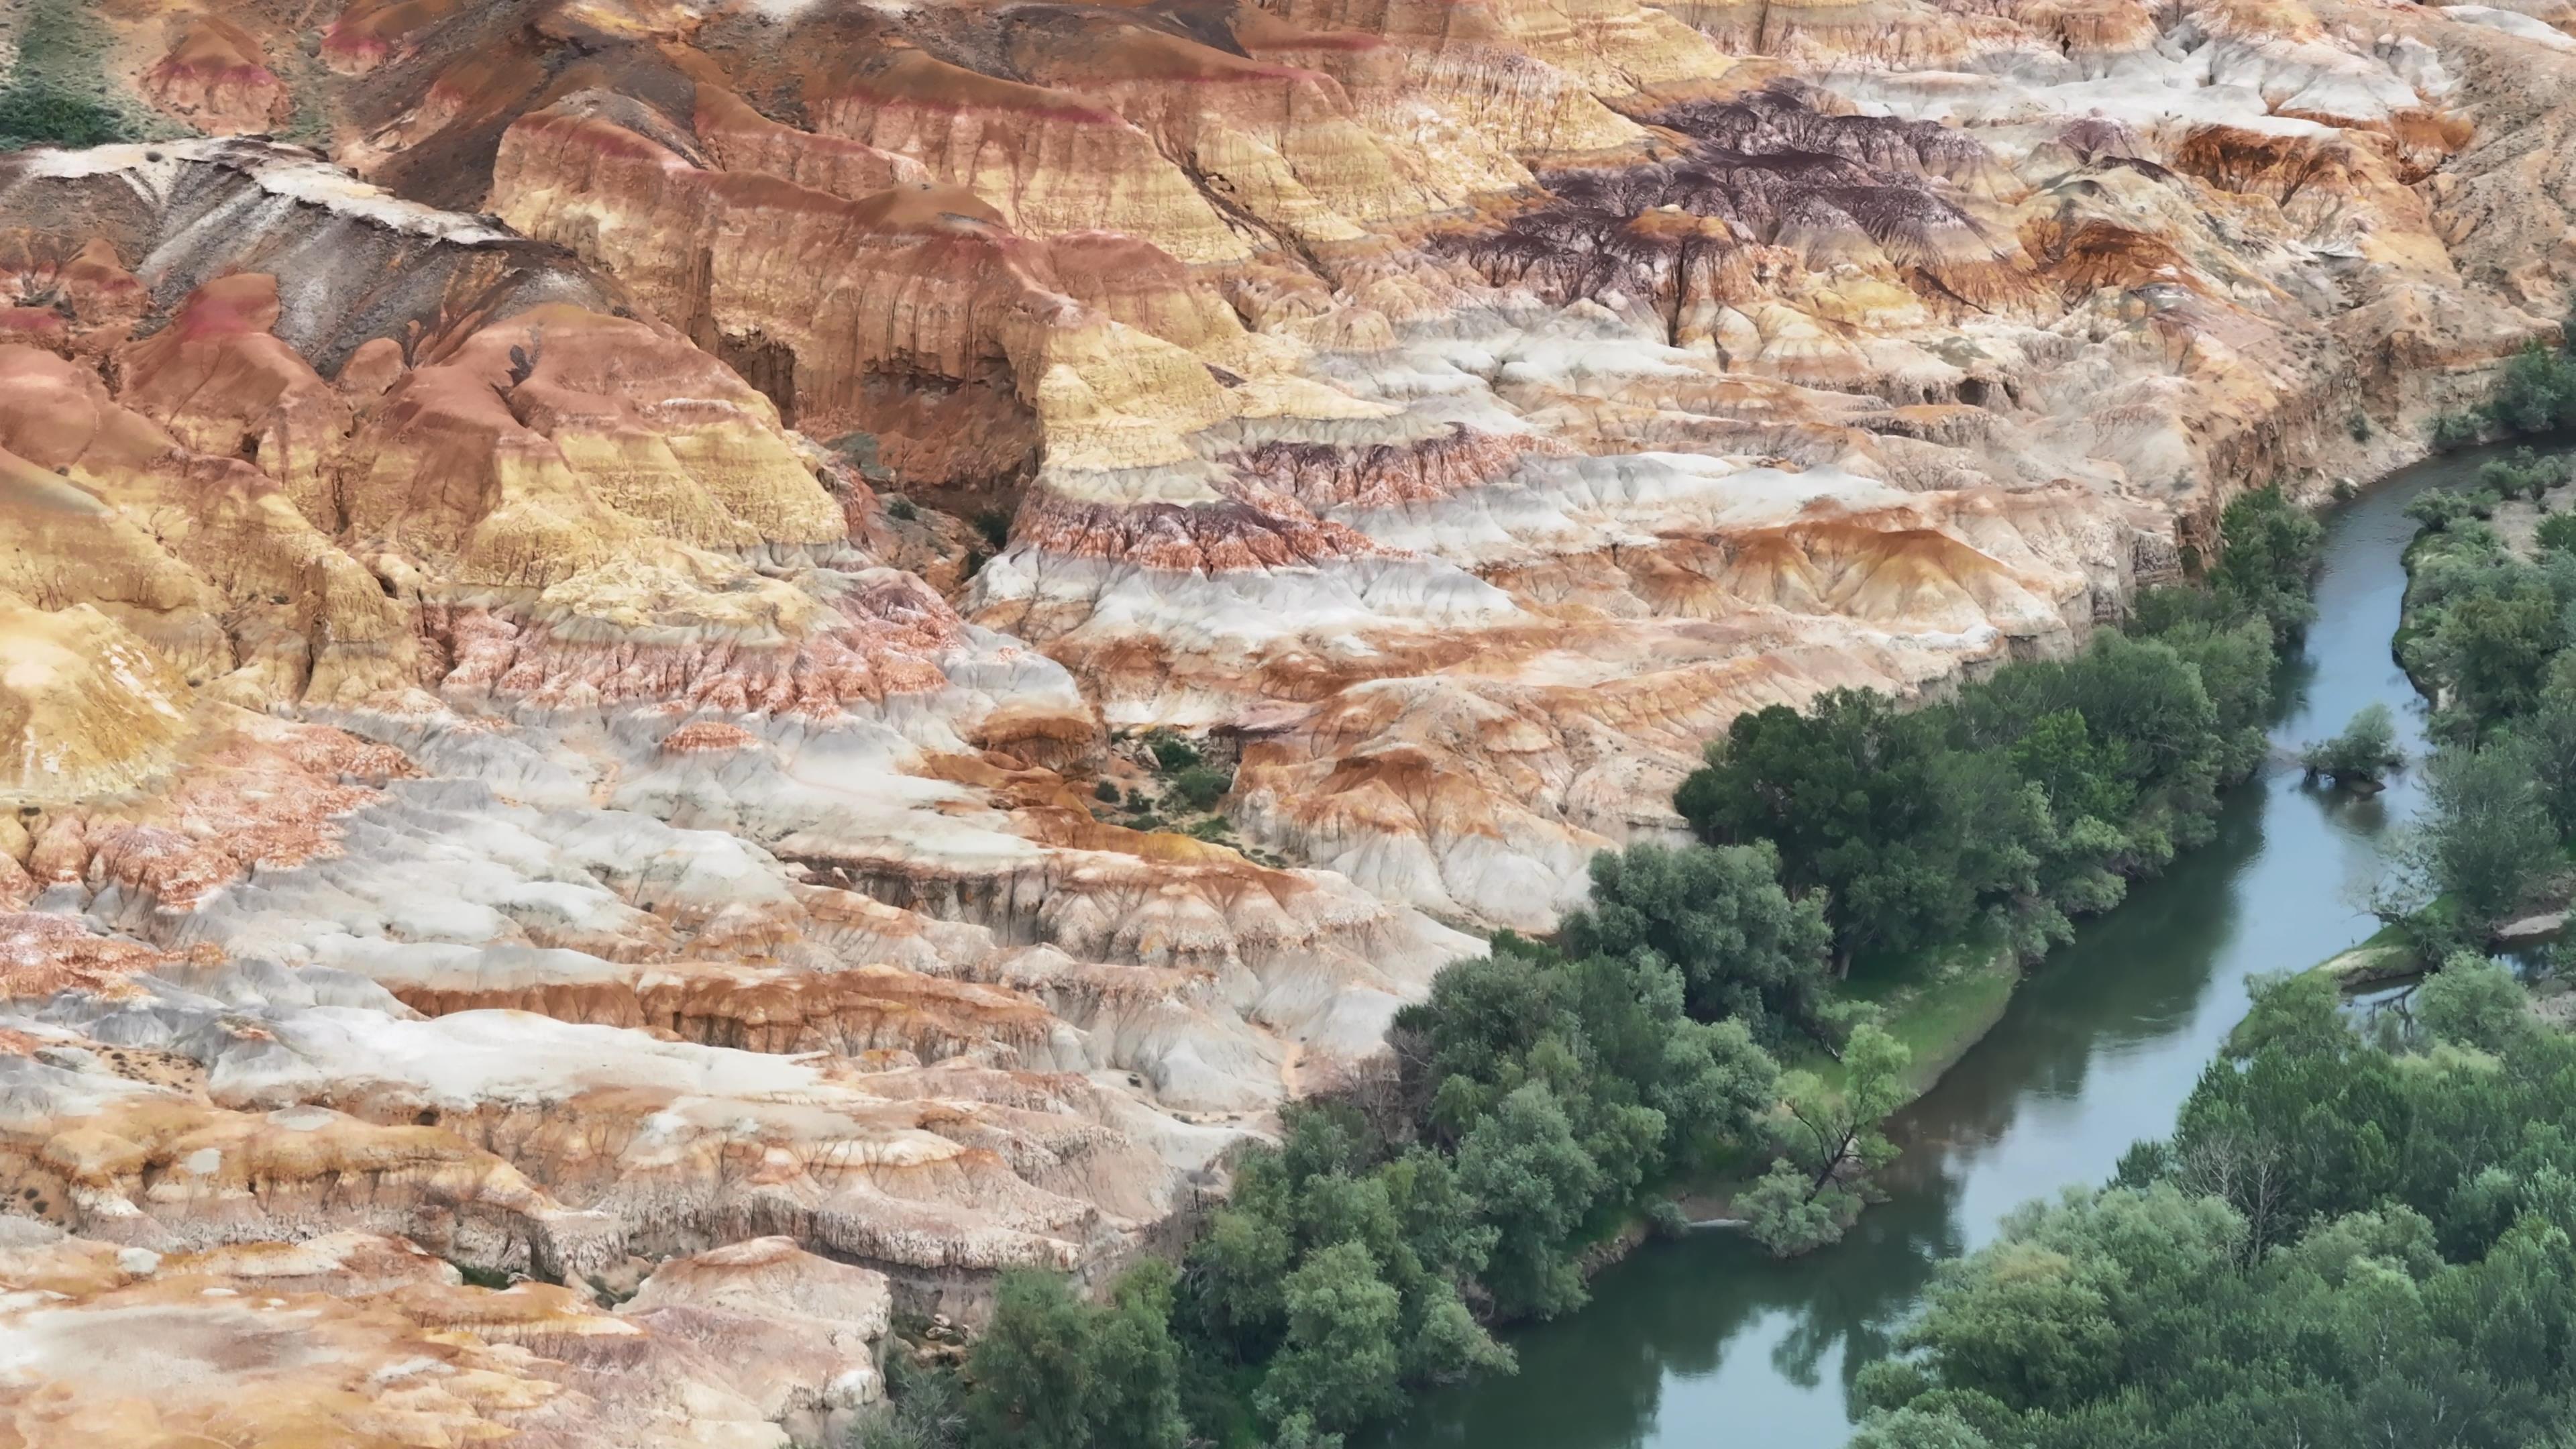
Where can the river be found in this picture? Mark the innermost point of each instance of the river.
(1706, 1342)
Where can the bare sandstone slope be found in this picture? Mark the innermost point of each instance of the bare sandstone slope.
(572, 566)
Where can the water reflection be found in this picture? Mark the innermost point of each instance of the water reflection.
(1708, 1343)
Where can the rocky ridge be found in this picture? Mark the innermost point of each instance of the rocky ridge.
(560, 624)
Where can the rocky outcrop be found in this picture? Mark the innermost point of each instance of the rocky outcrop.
(558, 637)
(215, 79)
(362, 1340)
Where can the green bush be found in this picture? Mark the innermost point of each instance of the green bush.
(2439, 508)
(1200, 787)
(1106, 792)
(2557, 533)
(1171, 752)
(924, 1409)
(2451, 432)
(2524, 475)
(2363, 754)
(900, 509)
(39, 115)
(2536, 392)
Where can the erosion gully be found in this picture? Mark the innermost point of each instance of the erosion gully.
(1707, 1342)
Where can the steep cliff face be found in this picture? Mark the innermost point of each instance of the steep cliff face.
(559, 628)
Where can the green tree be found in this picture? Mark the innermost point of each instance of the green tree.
(1836, 1132)
(2268, 552)
(1786, 1212)
(1847, 792)
(2082, 778)
(2474, 1002)
(2363, 754)
(2548, 736)
(2536, 392)
(2236, 664)
(1054, 1372)
(1342, 1363)
(2339, 1246)
(1535, 1183)
(1237, 1265)
(1135, 1363)
(1030, 1372)
(1830, 1141)
(1746, 950)
(2440, 509)
(2496, 648)
(2485, 835)
(2076, 1291)
(1911, 1428)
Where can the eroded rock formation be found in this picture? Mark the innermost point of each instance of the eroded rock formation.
(559, 623)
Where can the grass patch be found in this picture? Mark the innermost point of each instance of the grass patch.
(1938, 1003)
(57, 93)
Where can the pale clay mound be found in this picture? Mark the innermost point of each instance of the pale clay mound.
(488, 775)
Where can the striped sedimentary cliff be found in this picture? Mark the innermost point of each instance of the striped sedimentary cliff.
(564, 622)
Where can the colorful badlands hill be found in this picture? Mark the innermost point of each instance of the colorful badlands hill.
(572, 565)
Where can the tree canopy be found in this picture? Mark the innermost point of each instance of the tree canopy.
(2343, 1243)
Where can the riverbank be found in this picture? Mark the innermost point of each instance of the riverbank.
(1708, 1339)
(2477, 626)
(1939, 1009)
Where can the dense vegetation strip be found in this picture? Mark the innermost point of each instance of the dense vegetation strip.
(2362, 1230)
(2485, 634)
(2344, 1242)
(1542, 1094)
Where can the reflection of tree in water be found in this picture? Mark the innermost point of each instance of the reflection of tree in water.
(2128, 978)
(1596, 1380)
(1859, 1304)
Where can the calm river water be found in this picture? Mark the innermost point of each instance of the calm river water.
(1707, 1343)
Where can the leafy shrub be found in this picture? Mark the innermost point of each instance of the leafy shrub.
(1106, 792)
(2558, 533)
(2523, 475)
(2363, 754)
(2450, 432)
(2536, 392)
(2267, 556)
(42, 115)
(2439, 508)
(1784, 1215)
(900, 509)
(1200, 786)
(1171, 752)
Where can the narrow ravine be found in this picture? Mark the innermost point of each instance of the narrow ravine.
(1707, 1342)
